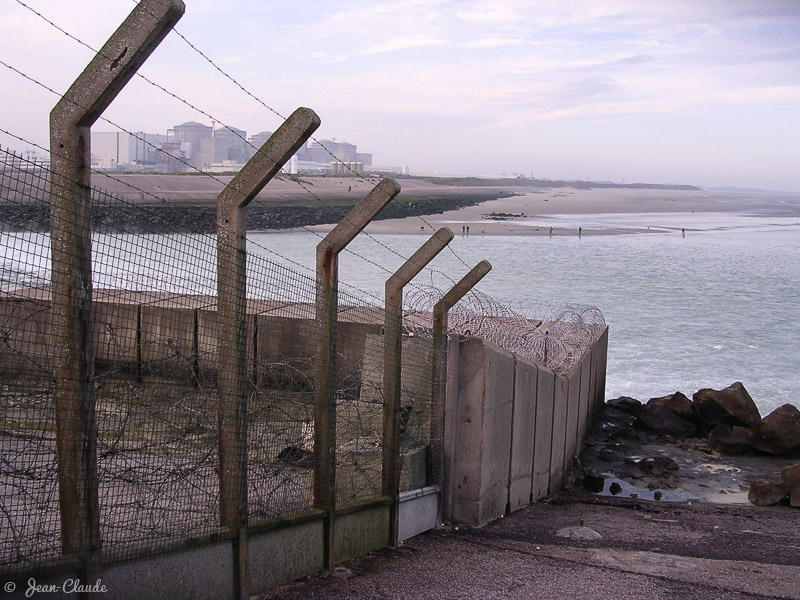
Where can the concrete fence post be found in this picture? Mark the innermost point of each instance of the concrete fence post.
(439, 376)
(231, 313)
(327, 302)
(71, 253)
(392, 367)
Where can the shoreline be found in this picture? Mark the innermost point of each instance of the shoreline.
(564, 209)
(183, 204)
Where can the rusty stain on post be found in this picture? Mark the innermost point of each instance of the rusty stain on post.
(392, 357)
(231, 313)
(71, 253)
(327, 286)
(439, 377)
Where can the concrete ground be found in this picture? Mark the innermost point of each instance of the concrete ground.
(645, 549)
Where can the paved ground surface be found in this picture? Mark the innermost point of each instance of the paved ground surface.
(649, 550)
(701, 540)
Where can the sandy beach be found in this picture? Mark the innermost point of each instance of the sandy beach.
(605, 211)
(520, 209)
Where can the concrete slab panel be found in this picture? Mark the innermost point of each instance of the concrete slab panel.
(415, 387)
(497, 416)
(571, 449)
(193, 574)
(281, 555)
(167, 340)
(543, 436)
(115, 334)
(350, 344)
(361, 532)
(560, 402)
(602, 344)
(523, 428)
(27, 330)
(468, 433)
(452, 394)
(585, 400)
(596, 394)
(208, 339)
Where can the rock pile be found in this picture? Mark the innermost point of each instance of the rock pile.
(732, 424)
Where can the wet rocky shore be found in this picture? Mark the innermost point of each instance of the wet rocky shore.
(715, 448)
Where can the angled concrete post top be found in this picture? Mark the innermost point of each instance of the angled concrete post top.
(231, 298)
(456, 293)
(359, 217)
(262, 167)
(418, 261)
(116, 62)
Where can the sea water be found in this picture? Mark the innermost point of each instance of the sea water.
(705, 310)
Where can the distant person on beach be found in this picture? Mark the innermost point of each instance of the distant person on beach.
(467, 229)
(683, 232)
(580, 231)
(551, 231)
(463, 229)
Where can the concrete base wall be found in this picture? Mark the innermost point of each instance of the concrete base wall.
(284, 554)
(275, 556)
(361, 532)
(197, 573)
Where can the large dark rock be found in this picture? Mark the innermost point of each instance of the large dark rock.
(614, 423)
(794, 496)
(731, 406)
(665, 422)
(730, 440)
(790, 477)
(677, 403)
(625, 403)
(766, 493)
(778, 432)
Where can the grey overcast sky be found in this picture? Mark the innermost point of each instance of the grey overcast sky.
(705, 92)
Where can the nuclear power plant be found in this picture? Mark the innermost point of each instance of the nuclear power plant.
(193, 146)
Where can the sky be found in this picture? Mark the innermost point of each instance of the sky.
(703, 92)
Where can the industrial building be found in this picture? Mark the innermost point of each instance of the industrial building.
(195, 146)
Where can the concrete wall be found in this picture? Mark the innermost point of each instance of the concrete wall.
(513, 428)
(173, 337)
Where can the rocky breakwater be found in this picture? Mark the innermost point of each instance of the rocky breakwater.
(661, 444)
